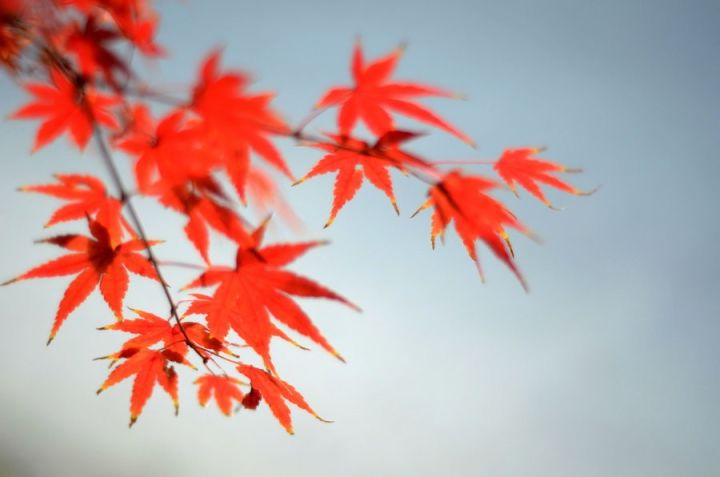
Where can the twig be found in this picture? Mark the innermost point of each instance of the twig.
(112, 169)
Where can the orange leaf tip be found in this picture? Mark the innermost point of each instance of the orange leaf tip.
(506, 239)
(338, 356)
(586, 193)
(133, 420)
(321, 419)
(12, 280)
(550, 206)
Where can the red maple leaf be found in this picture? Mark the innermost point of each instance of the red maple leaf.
(236, 122)
(275, 392)
(256, 288)
(373, 95)
(517, 166)
(200, 201)
(165, 152)
(225, 389)
(151, 329)
(149, 367)
(172, 164)
(95, 261)
(353, 160)
(89, 45)
(135, 19)
(202, 304)
(477, 216)
(87, 196)
(65, 106)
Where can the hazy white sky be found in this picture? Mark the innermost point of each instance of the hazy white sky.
(608, 367)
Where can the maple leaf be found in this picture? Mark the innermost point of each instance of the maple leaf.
(96, 261)
(275, 392)
(66, 106)
(257, 287)
(142, 34)
(149, 367)
(477, 216)
(164, 151)
(224, 388)
(202, 304)
(517, 166)
(87, 195)
(88, 44)
(173, 165)
(135, 19)
(372, 95)
(199, 201)
(354, 160)
(237, 122)
(151, 329)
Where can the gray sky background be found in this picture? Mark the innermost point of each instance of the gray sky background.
(609, 366)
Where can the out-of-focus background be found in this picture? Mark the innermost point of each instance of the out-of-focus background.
(609, 366)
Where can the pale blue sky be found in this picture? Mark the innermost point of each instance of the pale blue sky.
(609, 366)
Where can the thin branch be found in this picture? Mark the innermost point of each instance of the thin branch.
(112, 169)
(307, 120)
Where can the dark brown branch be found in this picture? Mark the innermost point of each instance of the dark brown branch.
(115, 175)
